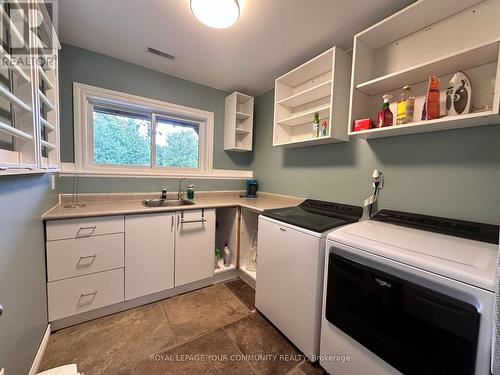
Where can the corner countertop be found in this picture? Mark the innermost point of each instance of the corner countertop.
(124, 204)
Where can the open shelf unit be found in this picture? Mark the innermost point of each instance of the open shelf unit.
(318, 86)
(226, 229)
(419, 41)
(238, 122)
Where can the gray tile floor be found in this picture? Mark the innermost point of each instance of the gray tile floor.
(214, 330)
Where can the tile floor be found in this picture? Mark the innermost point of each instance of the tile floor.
(214, 330)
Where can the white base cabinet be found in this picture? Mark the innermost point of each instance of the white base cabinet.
(97, 262)
(149, 254)
(194, 246)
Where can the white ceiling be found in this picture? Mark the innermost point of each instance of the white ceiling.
(270, 38)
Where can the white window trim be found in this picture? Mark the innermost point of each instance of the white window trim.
(85, 95)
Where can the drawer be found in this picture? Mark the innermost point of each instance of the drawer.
(84, 293)
(82, 256)
(78, 228)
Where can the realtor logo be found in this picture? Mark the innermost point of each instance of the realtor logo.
(28, 34)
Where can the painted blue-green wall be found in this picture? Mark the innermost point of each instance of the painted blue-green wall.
(84, 66)
(453, 173)
(23, 200)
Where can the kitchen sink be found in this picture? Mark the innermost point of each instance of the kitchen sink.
(167, 202)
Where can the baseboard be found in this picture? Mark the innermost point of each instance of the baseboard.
(41, 350)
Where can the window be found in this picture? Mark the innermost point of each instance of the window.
(177, 143)
(122, 134)
(121, 138)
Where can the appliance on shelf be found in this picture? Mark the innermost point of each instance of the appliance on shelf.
(408, 293)
(252, 188)
(291, 246)
(458, 95)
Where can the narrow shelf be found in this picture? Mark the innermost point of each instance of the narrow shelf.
(307, 142)
(461, 60)
(242, 131)
(307, 96)
(303, 118)
(443, 123)
(225, 269)
(251, 274)
(242, 115)
(239, 149)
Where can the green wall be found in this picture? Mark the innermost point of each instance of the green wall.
(84, 66)
(453, 173)
(139, 185)
(23, 200)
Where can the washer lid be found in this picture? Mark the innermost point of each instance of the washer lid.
(465, 260)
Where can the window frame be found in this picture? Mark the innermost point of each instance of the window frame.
(85, 97)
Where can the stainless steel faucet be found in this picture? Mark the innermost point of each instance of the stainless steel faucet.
(180, 193)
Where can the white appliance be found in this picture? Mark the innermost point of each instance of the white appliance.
(289, 283)
(398, 299)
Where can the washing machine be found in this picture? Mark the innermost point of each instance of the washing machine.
(409, 294)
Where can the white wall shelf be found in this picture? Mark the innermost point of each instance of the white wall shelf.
(420, 41)
(309, 95)
(238, 122)
(464, 59)
(320, 86)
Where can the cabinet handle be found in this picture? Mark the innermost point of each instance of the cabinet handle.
(86, 228)
(172, 223)
(83, 257)
(202, 220)
(192, 221)
(88, 294)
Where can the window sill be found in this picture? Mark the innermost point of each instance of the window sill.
(68, 169)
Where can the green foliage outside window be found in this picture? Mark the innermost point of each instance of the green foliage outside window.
(122, 140)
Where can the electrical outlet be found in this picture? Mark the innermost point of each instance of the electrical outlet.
(53, 185)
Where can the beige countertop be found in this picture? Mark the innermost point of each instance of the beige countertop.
(123, 204)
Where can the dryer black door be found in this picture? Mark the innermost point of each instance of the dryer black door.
(414, 329)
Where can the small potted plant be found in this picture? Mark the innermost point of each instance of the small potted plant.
(219, 261)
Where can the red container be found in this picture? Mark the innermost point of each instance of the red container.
(363, 124)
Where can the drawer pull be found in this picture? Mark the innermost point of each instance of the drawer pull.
(92, 230)
(91, 257)
(88, 294)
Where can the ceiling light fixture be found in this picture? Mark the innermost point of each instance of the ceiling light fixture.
(219, 14)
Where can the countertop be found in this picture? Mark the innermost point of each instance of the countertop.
(124, 204)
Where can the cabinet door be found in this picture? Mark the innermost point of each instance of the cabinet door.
(194, 246)
(149, 254)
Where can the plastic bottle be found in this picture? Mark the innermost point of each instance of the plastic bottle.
(385, 117)
(432, 104)
(406, 107)
(324, 128)
(190, 192)
(316, 126)
(227, 255)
